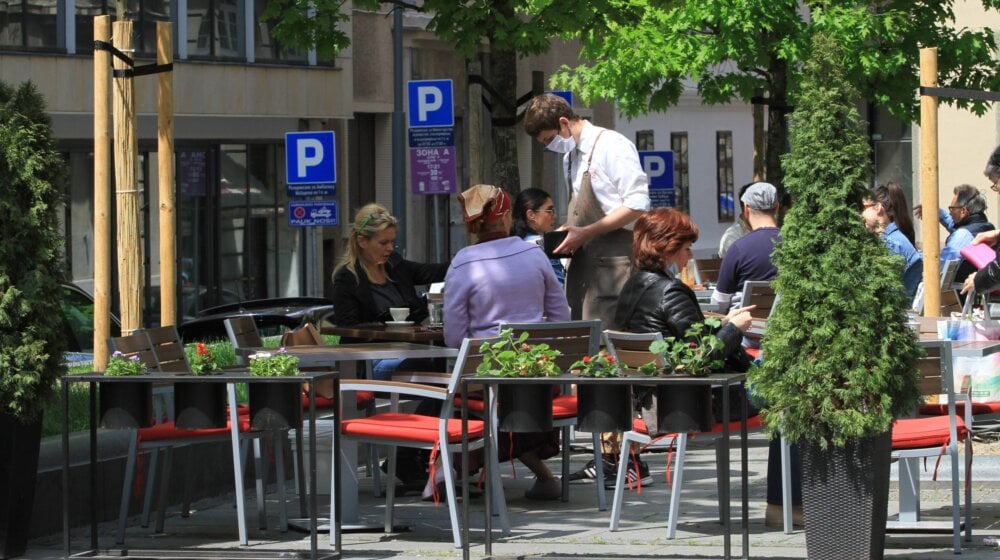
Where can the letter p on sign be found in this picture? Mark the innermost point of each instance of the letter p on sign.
(310, 158)
(430, 103)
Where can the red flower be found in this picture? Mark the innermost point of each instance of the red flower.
(202, 350)
(586, 359)
(692, 344)
(610, 359)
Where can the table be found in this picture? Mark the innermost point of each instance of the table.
(380, 332)
(724, 380)
(230, 378)
(330, 355)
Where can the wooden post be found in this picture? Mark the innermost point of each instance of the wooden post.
(130, 278)
(929, 183)
(758, 140)
(102, 194)
(165, 164)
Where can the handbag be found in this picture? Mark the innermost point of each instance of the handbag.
(979, 254)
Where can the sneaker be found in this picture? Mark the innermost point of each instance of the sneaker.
(588, 474)
(634, 476)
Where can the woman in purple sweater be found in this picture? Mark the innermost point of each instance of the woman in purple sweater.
(503, 278)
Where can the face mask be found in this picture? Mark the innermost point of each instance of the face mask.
(561, 145)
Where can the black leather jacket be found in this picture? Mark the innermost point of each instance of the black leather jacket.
(353, 302)
(653, 300)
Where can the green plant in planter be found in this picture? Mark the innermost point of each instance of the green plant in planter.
(839, 358)
(202, 360)
(120, 365)
(274, 364)
(508, 357)
(696, 354)
(601, 364)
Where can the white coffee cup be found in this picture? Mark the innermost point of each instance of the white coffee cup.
(399, 313)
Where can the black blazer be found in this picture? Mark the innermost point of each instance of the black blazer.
(353, 302)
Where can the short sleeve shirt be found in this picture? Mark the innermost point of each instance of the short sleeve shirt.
(749, 258)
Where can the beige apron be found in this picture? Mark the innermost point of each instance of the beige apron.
(598, 270)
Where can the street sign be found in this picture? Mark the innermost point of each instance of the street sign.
(565, 94)
(430, 103)
(659, 167)
(310, 158)
(311, 190)
(312, 213)
(431, 136)
(432, 170)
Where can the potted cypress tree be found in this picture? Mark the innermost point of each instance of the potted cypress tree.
(839, 358)
(31, 271)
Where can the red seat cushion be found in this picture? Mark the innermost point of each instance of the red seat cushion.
(167, 431)
(734, 425)
(977, 408)
(475, 405)
(754, 353)
(564, 406)
(412, 427)
(363, 399)
(932, 431)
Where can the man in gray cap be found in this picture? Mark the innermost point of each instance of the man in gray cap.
(749, 257)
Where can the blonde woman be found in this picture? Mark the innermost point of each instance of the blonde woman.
(372, 277)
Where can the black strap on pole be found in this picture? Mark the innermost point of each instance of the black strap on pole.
(132, 69)
(955, 93)
(496, 121)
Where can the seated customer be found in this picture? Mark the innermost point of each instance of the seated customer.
(886, 214)
(964, 220)
(502, 278)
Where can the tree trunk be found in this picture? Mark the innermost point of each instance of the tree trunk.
(503, 76)
(777, 126)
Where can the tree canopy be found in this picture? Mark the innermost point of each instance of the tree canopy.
(642, 54)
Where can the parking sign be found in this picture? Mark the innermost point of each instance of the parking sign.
(659, 167)
(310, 158)
(430, 103)
(312, 213)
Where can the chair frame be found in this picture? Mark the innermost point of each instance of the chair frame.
(465, 366)
(565, 337)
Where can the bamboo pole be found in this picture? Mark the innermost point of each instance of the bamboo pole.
(102, 194)
(929, 183)
(165, 164)
(758, 141)
(126, 187)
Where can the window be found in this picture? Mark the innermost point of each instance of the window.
(266, 47)
(644, 140)
(215, 29)
(143, 13)
(724, 163)
(30, 25)
(682, 183)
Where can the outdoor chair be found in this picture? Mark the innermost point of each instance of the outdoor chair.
(931, 437)
(949, 295)
(631, 350)
(163, 435)
(706, 271)
(442, 435)
(574, 339)
(761, 294)
(243, 333)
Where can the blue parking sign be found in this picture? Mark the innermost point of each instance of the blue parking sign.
(430, 103)
(659, 167)
(310, 158)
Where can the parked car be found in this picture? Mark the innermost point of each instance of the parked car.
(272, 316)
(78, 317)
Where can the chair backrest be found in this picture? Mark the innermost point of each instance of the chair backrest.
(707, 270)
(761, 294)
(948, 271)
(306, 335)
(168, 349)
(135, 344)
(936, 377)
(243, 333)
(631, 350)
(574, 339)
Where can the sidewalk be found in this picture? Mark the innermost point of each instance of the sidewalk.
(575, 529)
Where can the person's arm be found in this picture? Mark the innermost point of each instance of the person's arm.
(945, 219)
(456, 308)
(346, 303)
(556, 306)
(579, 236)
(722, 300)
(953, 245)
(725, 287)
(419, 273)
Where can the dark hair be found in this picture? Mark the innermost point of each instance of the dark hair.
(743, 191)
(970, 198)
(658, 235)
(992, 170)
(543, 113)
(528, 199)
(893, 201)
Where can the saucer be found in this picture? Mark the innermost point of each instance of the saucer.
(398, 323)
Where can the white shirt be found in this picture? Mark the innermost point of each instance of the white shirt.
(616, 175)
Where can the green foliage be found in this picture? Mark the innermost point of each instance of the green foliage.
(508, 357)
(601, 364)
(840, 360)
(310, 24)
(120, 365)
(276, 364)
(639, 53)
(201, 356)
(697, 353)
(31, 265)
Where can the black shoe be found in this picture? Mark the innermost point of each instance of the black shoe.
(588, 474)
(638, 471)
(408, 472)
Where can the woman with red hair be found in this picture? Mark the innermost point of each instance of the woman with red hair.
(655, 300)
